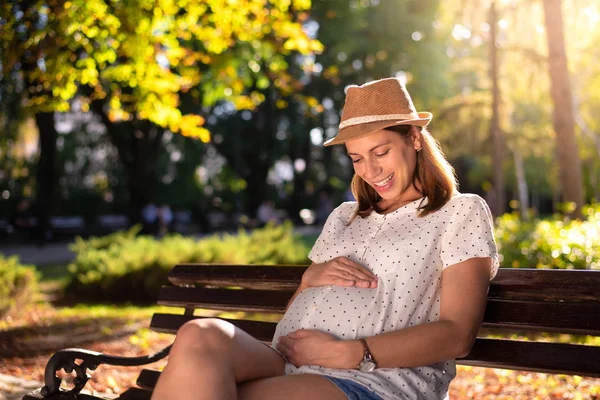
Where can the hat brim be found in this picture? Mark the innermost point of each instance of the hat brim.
(360, 130)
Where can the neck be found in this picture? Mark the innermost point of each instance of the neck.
(387, 206)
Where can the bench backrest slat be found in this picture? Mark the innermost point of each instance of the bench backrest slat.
(248, 276)
(225, 299)
(168, 323)
(555, 358)
(572, 318)
(546, 285)
(509, 284)
(555, 301)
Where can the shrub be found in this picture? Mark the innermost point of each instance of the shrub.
(18, 285)
(553, 243)
(104, 242)
(129, 268)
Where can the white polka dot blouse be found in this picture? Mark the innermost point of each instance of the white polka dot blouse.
(408, 254)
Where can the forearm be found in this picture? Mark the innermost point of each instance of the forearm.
(414, 346)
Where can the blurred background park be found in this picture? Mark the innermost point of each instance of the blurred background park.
(135, 135)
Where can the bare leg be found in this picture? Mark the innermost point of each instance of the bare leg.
(291, 387)
(209, 357)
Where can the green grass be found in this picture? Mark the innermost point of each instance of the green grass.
(114, 311)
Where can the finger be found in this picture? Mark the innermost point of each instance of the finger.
(349, 272)
(285, 340)
(284, 348)
(350, 279)
(341, 272)
(300, 333)
(354, 266)
(364, 284)
(336, 280)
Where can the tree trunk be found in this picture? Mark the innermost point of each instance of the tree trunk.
(248, 147)
(141, 169)
(496, 133)
(258, 167)
(521, 184)
(564, 122)
(47, 173)
(138, 144)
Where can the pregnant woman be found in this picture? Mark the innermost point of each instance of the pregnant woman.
(396, 289)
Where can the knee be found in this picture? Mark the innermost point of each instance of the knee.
(207, 334)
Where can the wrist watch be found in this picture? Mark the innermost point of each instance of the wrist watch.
(367, 364)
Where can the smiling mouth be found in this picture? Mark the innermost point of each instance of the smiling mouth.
(385, 181)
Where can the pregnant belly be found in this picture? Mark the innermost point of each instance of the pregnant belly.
(346, 313)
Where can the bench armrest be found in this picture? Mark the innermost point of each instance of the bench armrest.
(65, 359)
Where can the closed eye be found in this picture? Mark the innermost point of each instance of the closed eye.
(382, 154)
(357, 161)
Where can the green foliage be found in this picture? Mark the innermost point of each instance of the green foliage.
(18, 285)
(122, 267)
(104, 242)
(137, 58)
(554, 243)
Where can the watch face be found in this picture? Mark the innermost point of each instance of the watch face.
(367, 366)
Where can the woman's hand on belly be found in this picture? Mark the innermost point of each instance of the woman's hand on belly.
(340, 271)
(310, 347)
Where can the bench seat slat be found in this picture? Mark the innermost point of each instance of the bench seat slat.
(169, 323)
(37, 395)
(494, 353)
(148, 378)
(130, 394)
(136, 394)
(554, 358)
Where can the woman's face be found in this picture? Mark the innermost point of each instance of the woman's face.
(386, 161)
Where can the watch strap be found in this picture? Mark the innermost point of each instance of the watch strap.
(367, 352)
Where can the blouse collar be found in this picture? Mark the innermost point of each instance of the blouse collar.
(411, 207)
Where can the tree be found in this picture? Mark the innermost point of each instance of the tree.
(149, 66)
(564, 122)
(496, 133)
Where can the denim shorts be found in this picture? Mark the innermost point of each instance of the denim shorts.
(353, 390)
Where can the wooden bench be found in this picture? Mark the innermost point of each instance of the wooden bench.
(519, 300)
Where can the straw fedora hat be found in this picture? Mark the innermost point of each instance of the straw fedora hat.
(374, 106)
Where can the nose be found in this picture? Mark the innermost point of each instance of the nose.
(372, 168)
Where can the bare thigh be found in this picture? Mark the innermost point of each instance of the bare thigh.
(291, 387)
(222, 344)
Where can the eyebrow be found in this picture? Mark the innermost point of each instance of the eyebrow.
(379, 145)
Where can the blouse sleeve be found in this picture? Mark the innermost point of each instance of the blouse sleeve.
(317, 253)
(470, 234)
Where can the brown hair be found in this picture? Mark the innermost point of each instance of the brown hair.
(433, 174)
